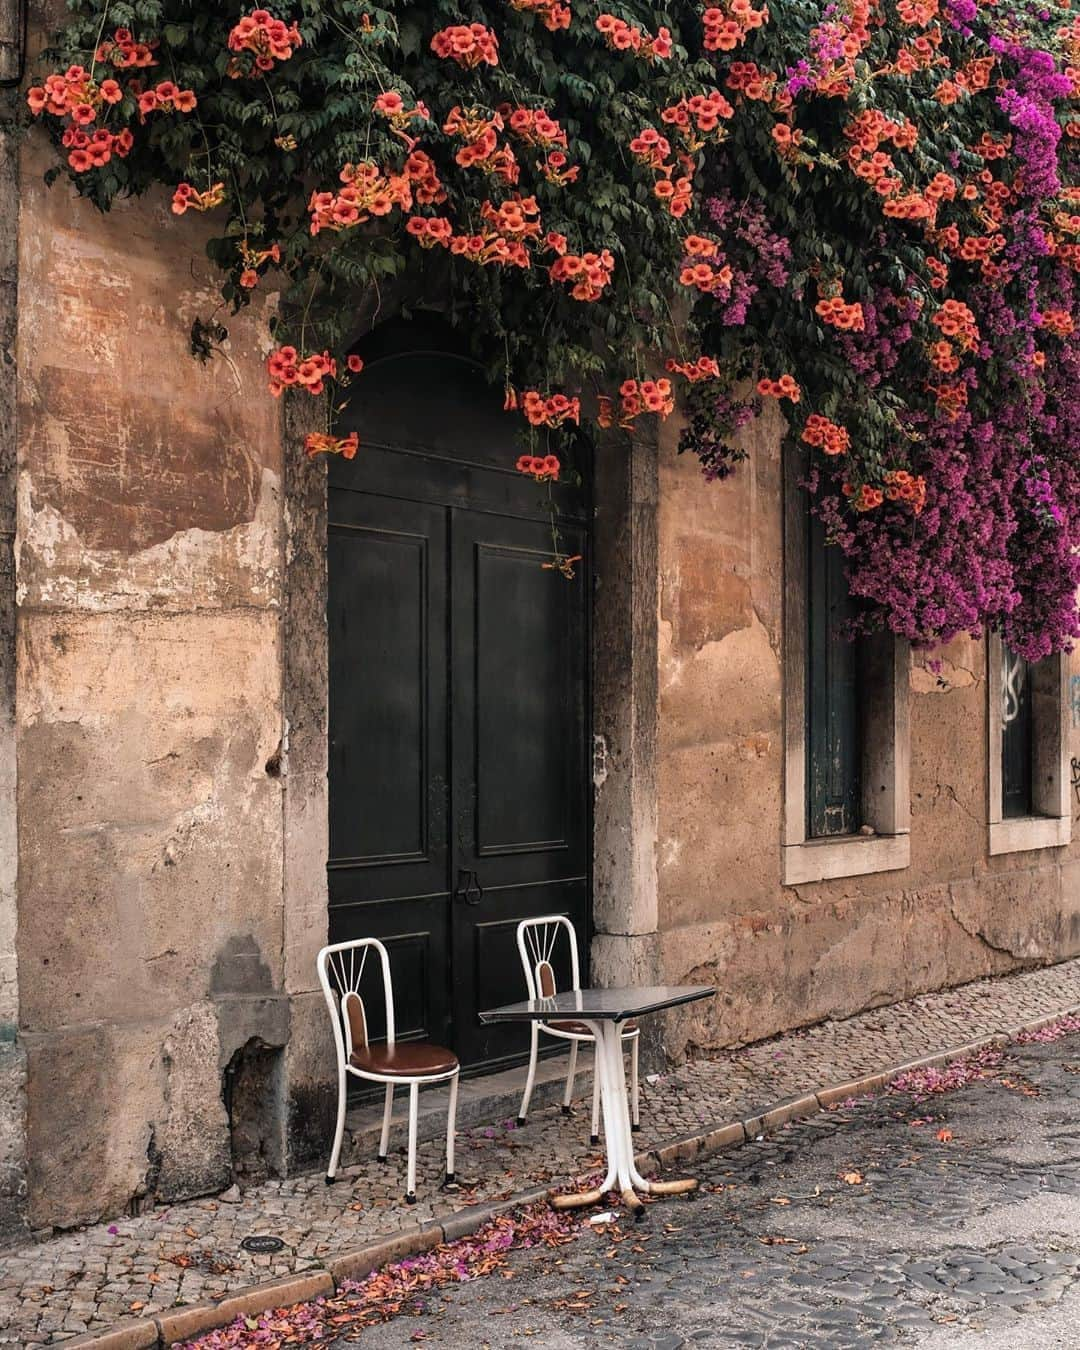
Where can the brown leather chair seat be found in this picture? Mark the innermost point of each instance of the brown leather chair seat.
(580, 1029)
(405, 1059)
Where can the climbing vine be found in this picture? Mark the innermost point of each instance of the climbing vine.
(867, 210)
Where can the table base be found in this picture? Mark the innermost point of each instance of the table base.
(622, 1175)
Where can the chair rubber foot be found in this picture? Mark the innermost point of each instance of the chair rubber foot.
(567, 1110)
(521, 1122)
(639, 1214)
(594, 1138)
(381, 1158)
(410, 1198)
(330, 1180)
(449, 1181)
(636, 1128)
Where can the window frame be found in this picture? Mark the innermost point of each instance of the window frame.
(1050, 823)
(886, 790)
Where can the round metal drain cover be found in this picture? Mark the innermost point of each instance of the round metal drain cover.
(262, 1244)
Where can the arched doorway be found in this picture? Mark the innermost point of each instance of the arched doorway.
(459, 797)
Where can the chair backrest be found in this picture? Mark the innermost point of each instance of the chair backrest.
(537, 941)
(341, 969)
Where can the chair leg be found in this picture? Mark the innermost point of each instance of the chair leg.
(339, 1130)
(594, 1137)
(571, 1070)
(414, 1111)
(451, 1121)
(388, 1111)
(635, 1094)
(531, 1077)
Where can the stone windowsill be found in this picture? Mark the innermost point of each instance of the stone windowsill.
(853, 855)
(1024, 833)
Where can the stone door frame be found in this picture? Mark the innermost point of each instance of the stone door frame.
(625, 946)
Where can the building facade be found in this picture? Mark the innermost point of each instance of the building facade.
(240, 712)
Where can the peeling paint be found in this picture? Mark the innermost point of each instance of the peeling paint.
(192, 569)
(600, 766)
(941, 678)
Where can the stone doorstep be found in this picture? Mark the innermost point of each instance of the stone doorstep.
(481, 1101)
(184, 1323)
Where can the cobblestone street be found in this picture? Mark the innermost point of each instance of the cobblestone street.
(950, 1222)
(176, 1256)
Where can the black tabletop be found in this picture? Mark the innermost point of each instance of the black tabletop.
(599, 1005)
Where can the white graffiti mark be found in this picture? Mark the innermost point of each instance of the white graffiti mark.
(1013, 674)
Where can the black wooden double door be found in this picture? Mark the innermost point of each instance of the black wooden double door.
(457, 765)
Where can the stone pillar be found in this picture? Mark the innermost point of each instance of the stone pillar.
(625, 948)
(12, 1056)
(310, 1064)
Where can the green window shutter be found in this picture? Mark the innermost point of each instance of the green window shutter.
(833, 730)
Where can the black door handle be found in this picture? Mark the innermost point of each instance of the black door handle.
(469, 890)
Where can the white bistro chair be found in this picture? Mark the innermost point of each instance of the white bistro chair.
(405, 1063)
(537, 941)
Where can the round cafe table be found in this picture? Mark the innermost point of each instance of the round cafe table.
(602, 1010)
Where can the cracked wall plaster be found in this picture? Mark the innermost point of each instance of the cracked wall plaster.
(783, 957)
(149, 570)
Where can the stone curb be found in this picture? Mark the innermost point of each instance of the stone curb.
(361, 1261)
(184, 1323)
(124, 1336)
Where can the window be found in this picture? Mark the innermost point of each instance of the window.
(846, 758)
(1028, 781)
(833, 721)
(1016, 736)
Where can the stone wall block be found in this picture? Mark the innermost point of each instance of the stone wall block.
(95, 1094)
(150, 853)
(192, 1141)
(1018, 915)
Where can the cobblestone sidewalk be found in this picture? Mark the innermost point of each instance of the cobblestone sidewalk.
(190, 1253)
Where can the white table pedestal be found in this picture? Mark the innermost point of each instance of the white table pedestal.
(622, 1175)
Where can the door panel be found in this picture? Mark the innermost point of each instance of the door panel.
(379, 726)
(518, 725)
(388, 865)
(524, 737)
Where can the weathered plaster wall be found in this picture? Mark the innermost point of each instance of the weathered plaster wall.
(149, 565)
(12, 1056)
(785, 956)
